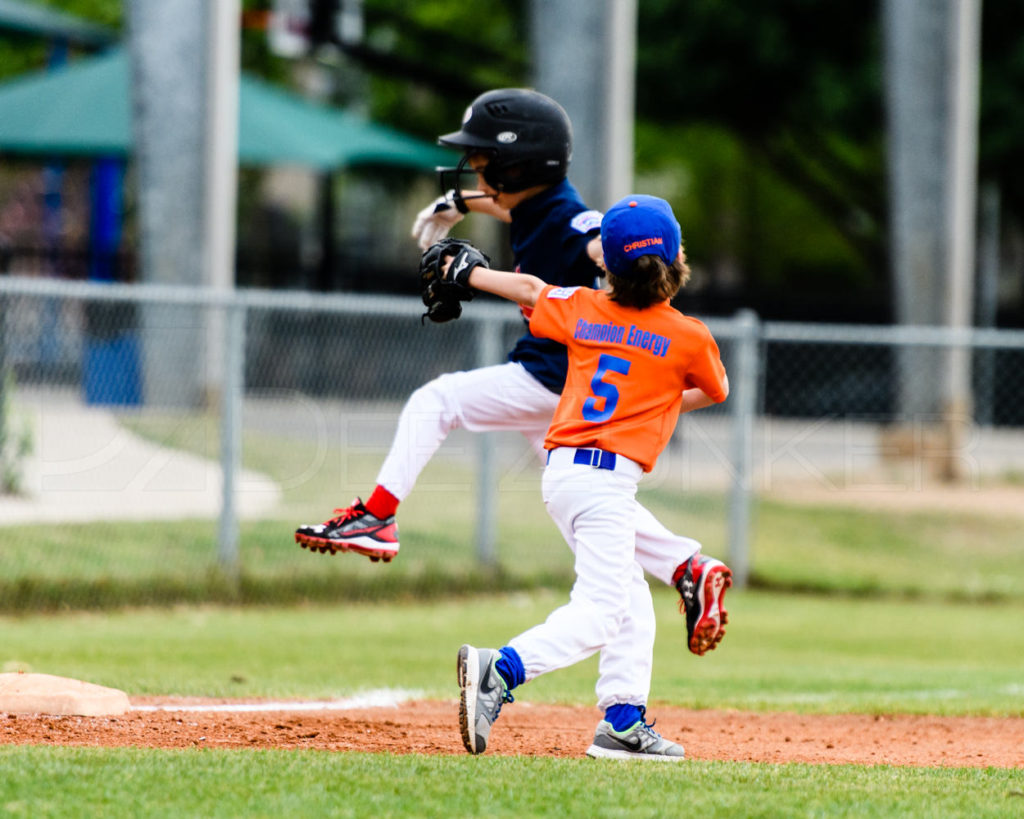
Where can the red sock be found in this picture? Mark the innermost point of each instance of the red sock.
(382, 504)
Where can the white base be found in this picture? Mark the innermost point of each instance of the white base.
(22, 693)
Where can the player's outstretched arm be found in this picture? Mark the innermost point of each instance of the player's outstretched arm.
(522, 288)
(695, 398)
(464, 268)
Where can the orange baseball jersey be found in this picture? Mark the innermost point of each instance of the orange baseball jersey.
(627, 370)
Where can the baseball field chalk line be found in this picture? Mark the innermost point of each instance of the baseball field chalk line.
(379, 698)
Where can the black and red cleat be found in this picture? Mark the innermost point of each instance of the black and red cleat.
(353, 529)
(702, 582)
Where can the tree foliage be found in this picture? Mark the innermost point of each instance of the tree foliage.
(1001, 128)
(797, 84)
(764, 122)
(800, 84)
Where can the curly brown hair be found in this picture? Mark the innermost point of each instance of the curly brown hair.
(651, 281)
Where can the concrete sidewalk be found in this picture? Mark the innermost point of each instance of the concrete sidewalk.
(86, 467)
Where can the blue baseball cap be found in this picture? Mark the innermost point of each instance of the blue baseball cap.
(636, 226)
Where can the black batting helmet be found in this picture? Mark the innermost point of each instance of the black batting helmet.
(526, 136)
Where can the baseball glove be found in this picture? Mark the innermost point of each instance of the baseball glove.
(442, 293)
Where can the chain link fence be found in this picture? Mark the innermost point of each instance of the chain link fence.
(183, 434)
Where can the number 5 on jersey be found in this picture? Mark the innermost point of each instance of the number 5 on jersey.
(603, 389)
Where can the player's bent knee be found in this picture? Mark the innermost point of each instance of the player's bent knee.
(435, 400)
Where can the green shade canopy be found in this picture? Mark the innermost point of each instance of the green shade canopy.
(40, 21)
(84, 109)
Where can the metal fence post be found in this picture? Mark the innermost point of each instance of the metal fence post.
(743, 381)
(488, 349)
(231, 434)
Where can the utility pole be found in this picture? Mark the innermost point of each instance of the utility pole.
(932, 53)
(167, 50)
(184, 59)
(584, 56)
(220, 137)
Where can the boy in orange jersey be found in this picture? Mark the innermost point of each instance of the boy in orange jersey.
(518, 144)
(635, 363)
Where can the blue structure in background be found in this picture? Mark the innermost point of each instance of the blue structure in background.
(105, 221)
(110, 360)
(110, 368)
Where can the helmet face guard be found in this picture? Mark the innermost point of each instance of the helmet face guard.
(451, 180)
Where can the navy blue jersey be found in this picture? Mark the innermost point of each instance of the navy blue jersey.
(550, 233)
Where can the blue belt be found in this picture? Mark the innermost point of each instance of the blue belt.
(597, 458)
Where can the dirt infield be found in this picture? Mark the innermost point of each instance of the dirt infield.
(428, 727)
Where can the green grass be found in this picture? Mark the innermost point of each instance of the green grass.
(74, 782)
(936, 556)
(909, 613)
(805, 654)
(809, 654)
(916, 554)
(939, 556)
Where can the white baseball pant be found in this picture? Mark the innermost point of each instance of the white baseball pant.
(610, 608)
(502, 397)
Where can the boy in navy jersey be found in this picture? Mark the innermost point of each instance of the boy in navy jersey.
(518, 143)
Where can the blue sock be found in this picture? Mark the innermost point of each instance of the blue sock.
(510, 667)
(622, 716)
